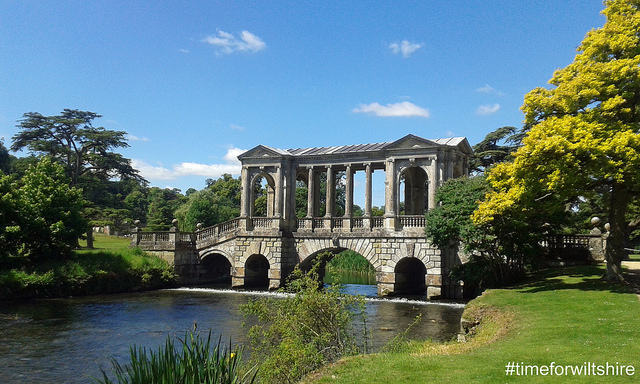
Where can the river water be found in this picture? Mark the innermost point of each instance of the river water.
(70, 340)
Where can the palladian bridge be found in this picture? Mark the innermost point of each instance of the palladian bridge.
(262, 250)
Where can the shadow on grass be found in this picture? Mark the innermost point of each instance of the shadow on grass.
(583, 277)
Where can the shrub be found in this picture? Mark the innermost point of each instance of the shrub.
(303, 332)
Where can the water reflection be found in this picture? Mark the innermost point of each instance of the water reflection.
(68, 340)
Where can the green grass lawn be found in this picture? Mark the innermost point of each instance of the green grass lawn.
(111, 266)
(634, 257)
(566, 316)
(106, 243)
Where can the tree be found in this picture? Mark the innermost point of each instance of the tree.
(583, 135)
(206, 207)
(70, 138)
(161, 207)
(498, 254)
(496, 147)
(41, 215)
(227, 187)
(5, 159)
(85, 151)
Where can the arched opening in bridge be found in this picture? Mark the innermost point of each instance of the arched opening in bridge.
(256, 272)
(413, 192)
(302, 196)
(410, 276)
(375, 196)
(263, 196)
(349, 267)
(341, 266)
(215, 269)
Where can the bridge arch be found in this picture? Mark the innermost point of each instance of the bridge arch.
(410, 276)
(270, 185)
(256, 271)
(216, 267)
(413, 189)
(308, 249)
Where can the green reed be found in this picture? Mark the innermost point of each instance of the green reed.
(192, 361)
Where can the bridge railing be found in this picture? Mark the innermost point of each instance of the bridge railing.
(218, 230)
(339, 223)
(414, 221)
(265, 222)
(162, 239)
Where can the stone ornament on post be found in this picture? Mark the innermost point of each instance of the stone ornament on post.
(596, 242)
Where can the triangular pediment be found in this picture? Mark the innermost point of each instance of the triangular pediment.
(411, 142)
(262, 151)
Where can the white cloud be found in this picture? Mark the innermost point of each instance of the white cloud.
(490, 90)
(404, 109)
(405, 48)
(232, 166)
(150, 172)
(236, 127)
(488, 109)
(136, 138)
(228, 43)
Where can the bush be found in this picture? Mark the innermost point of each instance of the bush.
(303, 332)
(194, 363)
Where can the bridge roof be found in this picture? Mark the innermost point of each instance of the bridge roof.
(460, 143)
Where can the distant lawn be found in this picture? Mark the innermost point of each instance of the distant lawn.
(566, 316)
(106, 243)
(634, 257)
(110, 267)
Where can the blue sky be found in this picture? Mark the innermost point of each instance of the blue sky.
(194, 83)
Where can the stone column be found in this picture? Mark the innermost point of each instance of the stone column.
(368, 191)
(348, 204)
(311, 195)
(330, 192)
(390, 189)
(390, 195)
(279, 195)
(246, 193)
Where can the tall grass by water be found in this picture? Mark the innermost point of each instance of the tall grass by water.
(196, 360)
(349, 267)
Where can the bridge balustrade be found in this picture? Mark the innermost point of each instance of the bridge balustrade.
(154, 236)
(265, 222)
(415, 221)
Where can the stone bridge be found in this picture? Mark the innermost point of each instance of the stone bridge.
(263, 245)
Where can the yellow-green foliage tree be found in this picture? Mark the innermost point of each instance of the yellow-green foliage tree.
(583, 134)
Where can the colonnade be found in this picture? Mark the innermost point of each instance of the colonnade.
(420, 165)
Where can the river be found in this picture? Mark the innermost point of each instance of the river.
(70, 340)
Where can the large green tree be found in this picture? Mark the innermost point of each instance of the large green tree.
(85, 151)
(496, 147)
(40, 215)
(584, 135)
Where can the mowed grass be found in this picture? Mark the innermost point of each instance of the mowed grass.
(105, 243)
(111, 266)
(566, 316)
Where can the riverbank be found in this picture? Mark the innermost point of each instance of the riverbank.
(111, 267)
(566, 317)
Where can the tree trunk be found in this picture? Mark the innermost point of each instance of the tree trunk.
(615, 253)
(90, 238)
